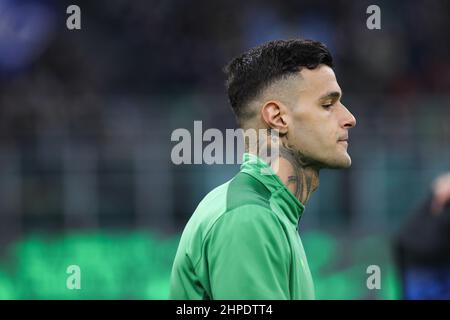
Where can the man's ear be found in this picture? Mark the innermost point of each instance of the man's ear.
(275, 115)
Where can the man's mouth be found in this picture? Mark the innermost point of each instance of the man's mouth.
(343, 141)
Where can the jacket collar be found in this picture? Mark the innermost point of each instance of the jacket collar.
(261, 171)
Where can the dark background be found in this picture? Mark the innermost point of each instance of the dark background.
(86, 118)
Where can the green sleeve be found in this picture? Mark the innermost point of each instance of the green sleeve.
(248, 255)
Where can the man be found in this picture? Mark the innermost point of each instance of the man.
(422, 246)
(242, 241)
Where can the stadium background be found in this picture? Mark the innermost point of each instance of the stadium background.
(86, 118)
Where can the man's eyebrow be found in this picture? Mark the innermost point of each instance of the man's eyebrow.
(331, 95)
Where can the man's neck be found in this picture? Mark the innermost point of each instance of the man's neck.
(298, 174)
(299, 177)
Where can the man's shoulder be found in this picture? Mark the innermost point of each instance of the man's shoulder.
(241, 193)
(244, 190)
(233, 209)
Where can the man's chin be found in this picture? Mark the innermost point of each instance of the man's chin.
(343, 162)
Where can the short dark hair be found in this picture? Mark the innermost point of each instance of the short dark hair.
(253, 71)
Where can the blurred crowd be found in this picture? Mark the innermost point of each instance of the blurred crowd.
(86, 115)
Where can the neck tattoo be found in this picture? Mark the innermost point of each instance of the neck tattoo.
(304, 178)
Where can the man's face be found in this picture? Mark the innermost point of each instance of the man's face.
(319, 123)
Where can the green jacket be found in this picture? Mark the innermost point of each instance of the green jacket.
(242, 242)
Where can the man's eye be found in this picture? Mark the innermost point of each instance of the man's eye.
(327, 106)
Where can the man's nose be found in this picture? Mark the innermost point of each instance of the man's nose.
(349, 118)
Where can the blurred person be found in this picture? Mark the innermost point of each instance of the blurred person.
(423, 246)
(441, 194)
(242, 241)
